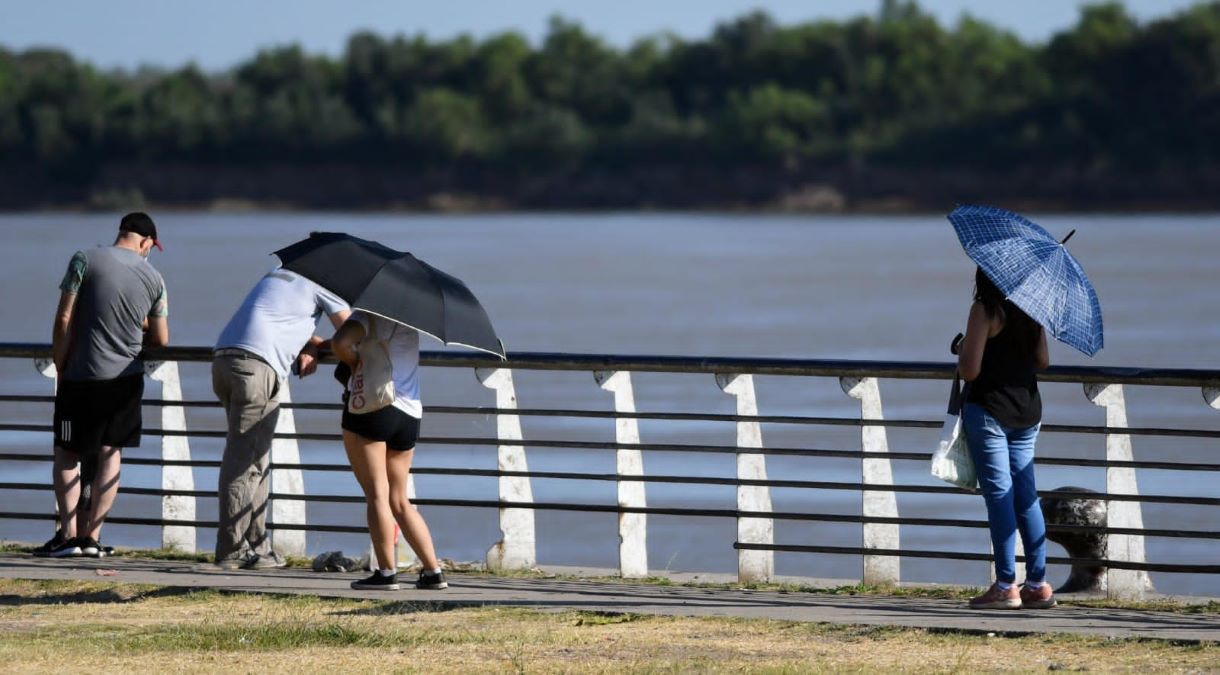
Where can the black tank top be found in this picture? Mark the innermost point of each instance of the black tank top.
(1007, 386)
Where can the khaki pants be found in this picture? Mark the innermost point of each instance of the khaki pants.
(249, 391)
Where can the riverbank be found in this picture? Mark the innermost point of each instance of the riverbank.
(404, 189)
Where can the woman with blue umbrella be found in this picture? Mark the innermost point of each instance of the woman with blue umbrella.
(1026, 285)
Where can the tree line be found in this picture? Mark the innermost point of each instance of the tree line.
(892, 102)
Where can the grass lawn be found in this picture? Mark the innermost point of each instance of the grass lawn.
(106, 627)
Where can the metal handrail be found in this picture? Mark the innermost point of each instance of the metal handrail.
(672, 447)
(667, 447)
(678, 417)
(687, 511)
(672, 511)
(687, 480)
(921, 370)
(927, 489)
(1184, 568)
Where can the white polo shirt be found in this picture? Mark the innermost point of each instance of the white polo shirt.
(278, 317)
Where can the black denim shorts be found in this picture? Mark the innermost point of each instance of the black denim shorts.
(396, 428)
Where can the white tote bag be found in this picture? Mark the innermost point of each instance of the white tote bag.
(951, 461)
(372, 383)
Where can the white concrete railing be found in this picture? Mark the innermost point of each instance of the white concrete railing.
(1121, 481)
(877, 569)
(629, 462)
(517, 549)
(752, 565)
(176, 448)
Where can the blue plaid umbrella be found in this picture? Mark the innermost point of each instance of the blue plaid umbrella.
(1033, 270)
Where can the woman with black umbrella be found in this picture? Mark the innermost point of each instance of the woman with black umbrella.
(379, 437)
(396, 296)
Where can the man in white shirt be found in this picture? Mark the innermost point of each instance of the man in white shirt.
(271, 334)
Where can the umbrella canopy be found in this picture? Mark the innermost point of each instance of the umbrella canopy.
(1034, 271)
(396, 285)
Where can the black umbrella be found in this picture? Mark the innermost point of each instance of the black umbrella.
(395, 285)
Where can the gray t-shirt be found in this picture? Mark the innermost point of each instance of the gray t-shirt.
(278, 317)
(116, 289)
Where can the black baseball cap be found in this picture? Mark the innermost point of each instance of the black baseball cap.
(140, 223)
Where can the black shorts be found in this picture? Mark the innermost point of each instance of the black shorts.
(398, 429)
(92, 414)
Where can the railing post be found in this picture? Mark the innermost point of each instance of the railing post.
(1122, 584)
(1212, 396)
(178, 449)
(752, 565)
(516, 548)
(287, 482)
(880, 570)
(632, 527)
(46, 367)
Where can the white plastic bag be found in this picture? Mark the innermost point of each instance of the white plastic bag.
(951, 461)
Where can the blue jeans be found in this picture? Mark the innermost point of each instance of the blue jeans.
(1004, 459)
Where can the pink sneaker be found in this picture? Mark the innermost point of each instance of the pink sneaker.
(997, 598)
(1041, 597)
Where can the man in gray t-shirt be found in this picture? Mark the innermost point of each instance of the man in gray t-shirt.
(112, 304)
(270, 335)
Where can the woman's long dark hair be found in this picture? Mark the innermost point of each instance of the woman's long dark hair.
(995, 304)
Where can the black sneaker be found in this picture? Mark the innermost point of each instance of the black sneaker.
(44, 551)
(66, 549)
(89, 547)
(431, 581)
(377, 582)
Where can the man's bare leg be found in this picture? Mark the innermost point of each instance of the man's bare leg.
(105, 488)
(66, 477)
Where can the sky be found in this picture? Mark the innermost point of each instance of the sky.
(217, 34)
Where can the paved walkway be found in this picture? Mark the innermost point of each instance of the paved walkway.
(557, 594)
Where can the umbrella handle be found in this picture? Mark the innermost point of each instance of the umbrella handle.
(956, 343)
(1065, 239)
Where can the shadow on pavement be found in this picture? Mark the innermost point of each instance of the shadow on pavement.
(108, 596)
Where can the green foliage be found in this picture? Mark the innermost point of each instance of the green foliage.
(445, 124)
(895, 88)
(775, 123)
